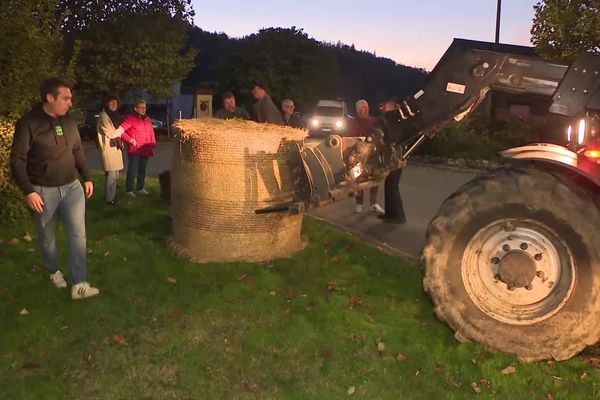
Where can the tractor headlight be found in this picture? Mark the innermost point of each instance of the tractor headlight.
(581, 132)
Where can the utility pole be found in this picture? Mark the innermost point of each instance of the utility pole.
(492, 125)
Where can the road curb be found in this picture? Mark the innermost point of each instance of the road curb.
(386, 248)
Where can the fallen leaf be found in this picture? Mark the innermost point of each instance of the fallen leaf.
(509, 370)
(272, 293)
(14, 241)
(62, 328)
(558, 378)
(31, 365)
(325, 353)
(332, 286)
(475, 388)
(107, 253)
(549, 396)
(36, 269)
(174, 313)
(370, 319)
(309, 307)
(171, 280)
(355, 301)
(485, 382)
(118, 339)
(335, 259)
(380, 348)
(400, 357)
(24, 312)
(351, 390)
(418, 372)
(584, 375)
(27, 237)
(550, 363)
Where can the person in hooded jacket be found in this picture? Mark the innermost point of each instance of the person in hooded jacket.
(138, 132)
(111, 146)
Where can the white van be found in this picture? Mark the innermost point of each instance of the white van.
(329, 117)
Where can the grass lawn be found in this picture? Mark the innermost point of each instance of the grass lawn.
(340, 320)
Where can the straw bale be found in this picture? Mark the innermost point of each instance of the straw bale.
(222, 171)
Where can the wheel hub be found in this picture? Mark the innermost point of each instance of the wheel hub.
(517, 269)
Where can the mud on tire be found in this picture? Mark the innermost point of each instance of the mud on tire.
(530, 316)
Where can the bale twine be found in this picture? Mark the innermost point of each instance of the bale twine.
(223, 170)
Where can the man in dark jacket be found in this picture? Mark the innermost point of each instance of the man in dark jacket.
(264, 109)
(288, 115)
(230, 110)
(46, 159)
(394, 208)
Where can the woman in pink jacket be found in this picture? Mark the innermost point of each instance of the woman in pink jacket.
(138, 132)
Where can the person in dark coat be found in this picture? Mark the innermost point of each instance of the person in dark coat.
(264, 109)
(289, 117)
(230, 110)
(394, 208)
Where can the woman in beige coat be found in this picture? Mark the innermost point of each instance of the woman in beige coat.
(111, 147)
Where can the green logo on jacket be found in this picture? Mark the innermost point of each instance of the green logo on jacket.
(58, 130)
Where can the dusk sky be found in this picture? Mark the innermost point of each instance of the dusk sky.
(414, 33)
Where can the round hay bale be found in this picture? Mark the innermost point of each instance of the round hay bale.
(223, 170)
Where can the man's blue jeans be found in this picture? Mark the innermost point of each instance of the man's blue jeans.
(136, 165)
(68, 201)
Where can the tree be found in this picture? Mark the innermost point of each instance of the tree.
(128, 45)
(30, 51)
(287, 60)
(564, 28)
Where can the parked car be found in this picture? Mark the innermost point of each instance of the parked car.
(329, 116)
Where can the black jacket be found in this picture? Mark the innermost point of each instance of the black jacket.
(46, 151)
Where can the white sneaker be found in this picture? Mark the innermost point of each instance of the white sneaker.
(376, 208)
(83, 290)
(129, 194)
(58, 279)
(358, 208)
(143, 191)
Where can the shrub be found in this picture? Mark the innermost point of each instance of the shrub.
(13, 207)
(470, 139)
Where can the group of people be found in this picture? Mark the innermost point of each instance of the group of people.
(47, 160)
(264, 109)
(137, 131)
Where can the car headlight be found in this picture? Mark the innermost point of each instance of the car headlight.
(314, 122)
(339, 124)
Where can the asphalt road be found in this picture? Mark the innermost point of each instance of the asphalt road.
(423, 189)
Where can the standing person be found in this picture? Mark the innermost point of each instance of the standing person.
(230, 110)
(46, 159)
(138, 132)
(287, 113)
(394, 208)
(264, 108)
(362, 124)
(111, 147)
